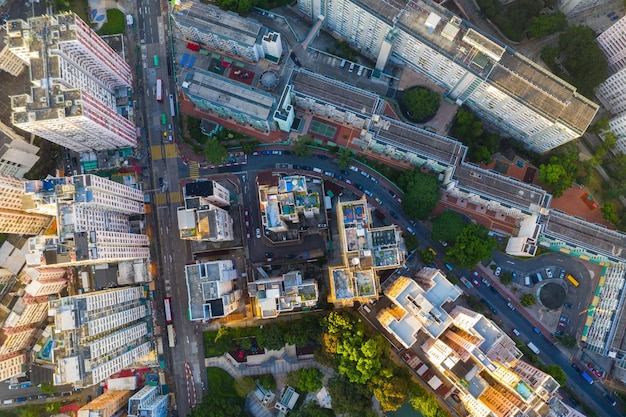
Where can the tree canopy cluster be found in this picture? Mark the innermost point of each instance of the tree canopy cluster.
(472, 246)
(448, 226)
(365, 369)
(244, 6)
(584, 70)
(421, 103)
(468, 129)
(421, 193)
(519, 18)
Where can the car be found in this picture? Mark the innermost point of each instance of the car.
(247, 223)
(258, 233)
(563, 319)
(255, 153)
(66, 394)
(358, 186)
(378, 200)
(567, 305)
(296, 166)
(614, 17)
(610, 400)
(360, 72)
(610, 14)
(343, 63)
(576, 368)
(410, 230)
(286, 152)
(536, 330)
(42, 396)
(399, 200)
(248, 235)
(393, 214)
(516, 332)
(443, 243)
(161, 182)
(291, 256)
(549, 272)
(169, 127)
(7, 402)
(484, 281)
(493, 310)
(14, 386)
(266, 152)
(365, 174)
(374, 180)
(345, 172)
(349, 182)
(277, 152)
(32, 397)
(476, 283)
(391, 193)
(498, 271)
(323, 157)
(353, 168)
(509, 305)
(269, 259)
(562, 274)
(431, 250)
(307, 168)
(351, 67)
(54, 395)
(164, 134)
(339, 177)
(574, 401)
(368, 192)
(475, 273)
(329, 174)
(268, 254)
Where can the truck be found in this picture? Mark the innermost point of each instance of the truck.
(586, 377)
(534, 348)
(159, 345)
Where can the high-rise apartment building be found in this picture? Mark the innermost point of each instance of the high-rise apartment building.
(42, 281)
(147, 402)
(573, 7)
(9, 61)
(613, 44)
(211, 290)
(106, 405)
(17, 156)
(75, 77)
(12, 365)
(506, 89)
(93, 223)
(13, 218)
(28, 310)
(98, 334)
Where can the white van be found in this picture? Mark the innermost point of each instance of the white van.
(539, 277)
(351, 67)
(367, 309)
(319, 171)
(527, 281)
(7, 402)
(360, 72)
(343, 63)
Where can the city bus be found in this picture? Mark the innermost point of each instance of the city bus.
(159, 90)
(156, 61)
(572, 280)
(168, 310)
(171, 335)
(163, 119)
(172, 106)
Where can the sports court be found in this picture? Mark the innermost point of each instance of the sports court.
(322, 129)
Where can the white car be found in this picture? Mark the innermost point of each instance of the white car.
(258, 233)
(498, 271)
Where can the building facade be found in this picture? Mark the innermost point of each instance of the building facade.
(13, 217)
(43, 281)
(93, 223)
(17, 156)
(148, 402)
(99, 334)
(503, 87)
(12, 365)
(612, 43)
(75, 106)
(106, 405)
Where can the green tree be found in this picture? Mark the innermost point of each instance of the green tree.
(273, 336)
(248, 146)
(421, 193)
(245, 343)
(427, 257)
(306, 379)
(410, 242)
(296, 335)
(47, 387)
(392, 388)
(267, 381)
(587, 70)
(349, 398)
(421, 103)
(547, 24)
(527, 300)
(311, 409)
(223, 339)
(472, 246)
(214, 406)
(244, 386)
(609, 213)
(427, 405)
(53, 408)
(466, 126)
(566, 340)
(237, 6)
(555, 176)
(599, 126)
(301, 145)
(31, 410)
(447, 226)
(214, 152)
(556, 372)
(345, 158)
(506, 278)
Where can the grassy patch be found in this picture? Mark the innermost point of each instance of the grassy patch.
(221, 383)
(80, 7)
(115, 23)
(211, 350)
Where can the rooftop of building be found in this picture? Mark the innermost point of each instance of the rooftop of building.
(497, 187)
(339, 94)
(198, 189)
(207, 282)
(210, 19)
(219, 90)
(424, 143)
(495, 62)
(588, 235)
